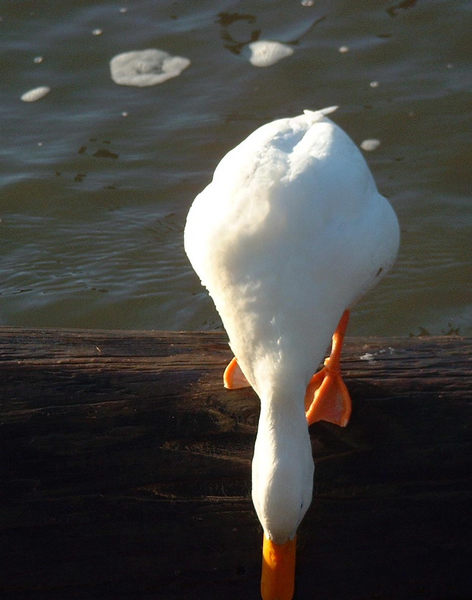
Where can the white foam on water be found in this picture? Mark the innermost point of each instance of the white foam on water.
(143, 68)
(265, 53)
(36, 93)
(370, 144)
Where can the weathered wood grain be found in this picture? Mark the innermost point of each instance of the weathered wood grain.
(125, 471)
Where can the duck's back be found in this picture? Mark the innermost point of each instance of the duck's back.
(290, 232)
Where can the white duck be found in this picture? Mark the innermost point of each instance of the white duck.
(287, 236)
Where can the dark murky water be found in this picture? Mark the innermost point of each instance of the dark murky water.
(96, 178)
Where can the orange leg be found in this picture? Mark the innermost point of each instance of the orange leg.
(327, 398)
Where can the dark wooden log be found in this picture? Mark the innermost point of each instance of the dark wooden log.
(125, 471)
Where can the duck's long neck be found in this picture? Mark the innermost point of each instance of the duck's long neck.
(282, 467)
(282, 434)
(283, 409)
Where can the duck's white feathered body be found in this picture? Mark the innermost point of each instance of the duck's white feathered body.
(290, 232)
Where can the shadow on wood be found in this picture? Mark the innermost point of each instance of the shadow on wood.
(126, 471)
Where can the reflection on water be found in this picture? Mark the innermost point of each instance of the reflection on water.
(97, 178)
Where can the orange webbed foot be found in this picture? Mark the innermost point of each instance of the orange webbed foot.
(233, 377)
(326, 397)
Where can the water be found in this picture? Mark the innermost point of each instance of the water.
(96, 178)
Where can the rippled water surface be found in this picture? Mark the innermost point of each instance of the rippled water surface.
(97, 178)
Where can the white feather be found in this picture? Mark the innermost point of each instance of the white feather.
(290, 232)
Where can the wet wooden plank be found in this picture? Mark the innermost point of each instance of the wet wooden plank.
(125, 471)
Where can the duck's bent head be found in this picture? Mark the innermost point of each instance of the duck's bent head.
(282, 489)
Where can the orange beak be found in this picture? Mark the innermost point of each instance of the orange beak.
(278, 570)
